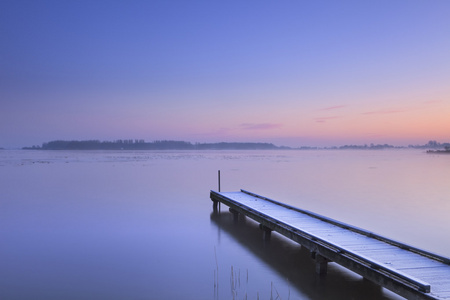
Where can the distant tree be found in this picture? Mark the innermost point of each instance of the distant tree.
(433, 144)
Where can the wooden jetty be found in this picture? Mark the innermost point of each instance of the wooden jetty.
(411, 272)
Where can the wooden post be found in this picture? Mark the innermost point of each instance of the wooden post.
(219, 179)
(219, 185)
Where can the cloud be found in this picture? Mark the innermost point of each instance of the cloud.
(259, 126)
(332, 107)
(325, 119)
(385, 111)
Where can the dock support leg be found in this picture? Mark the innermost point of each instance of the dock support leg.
(321, 264)
(267, 232)
(235, 214)
(215, 205)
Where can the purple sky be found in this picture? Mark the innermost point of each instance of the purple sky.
(294, 73)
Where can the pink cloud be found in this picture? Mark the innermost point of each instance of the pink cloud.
(324, 119)
(332, 107)
(385, 111)
(259, 126)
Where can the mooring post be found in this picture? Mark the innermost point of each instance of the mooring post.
(218, 177)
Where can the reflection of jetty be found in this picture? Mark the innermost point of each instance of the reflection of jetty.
(408, 271)
(293, 262)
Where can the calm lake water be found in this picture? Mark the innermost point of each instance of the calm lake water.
(139, 224)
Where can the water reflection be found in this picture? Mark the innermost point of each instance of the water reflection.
(293, 262)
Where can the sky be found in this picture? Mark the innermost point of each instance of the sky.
(293, 73)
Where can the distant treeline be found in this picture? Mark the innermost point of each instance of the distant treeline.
(432, 145)
(181, 145)
(156, 145)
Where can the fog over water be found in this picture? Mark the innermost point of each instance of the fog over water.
(140, 224)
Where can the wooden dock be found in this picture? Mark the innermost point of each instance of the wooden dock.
(406, 270)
